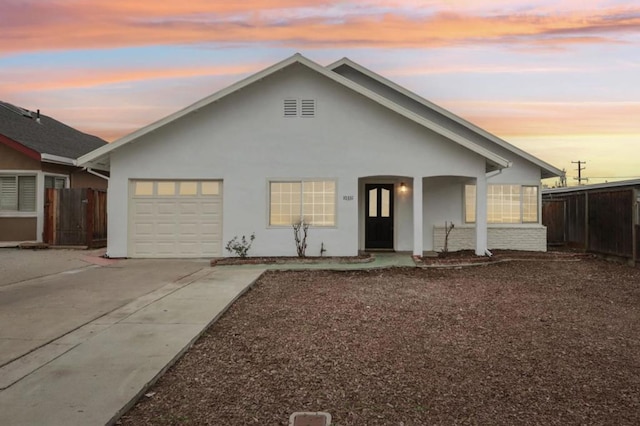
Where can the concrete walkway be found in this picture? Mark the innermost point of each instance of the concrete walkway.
(95, 373)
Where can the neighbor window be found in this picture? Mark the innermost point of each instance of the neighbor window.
(18, 193)
(57, 182)
(505, 204)
(313, 201)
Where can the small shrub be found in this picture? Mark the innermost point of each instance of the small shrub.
(240, 248)
(301, 240)
(448, 227)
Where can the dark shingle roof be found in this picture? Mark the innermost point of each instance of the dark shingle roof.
(47, 137)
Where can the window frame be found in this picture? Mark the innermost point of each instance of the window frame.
(521, 205)
(56, 176)
(302, 181)
(17, 212)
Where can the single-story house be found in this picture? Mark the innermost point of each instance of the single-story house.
(601, 218)
(369, 164)
(37, 152)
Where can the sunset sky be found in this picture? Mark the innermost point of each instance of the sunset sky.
(560, 79)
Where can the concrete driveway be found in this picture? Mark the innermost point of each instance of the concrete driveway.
(46, 294)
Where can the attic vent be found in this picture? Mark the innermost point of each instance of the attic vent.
(290, 107)
(308, 108)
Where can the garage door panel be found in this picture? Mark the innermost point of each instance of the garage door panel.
(188, 229)
(143, 229)
(190, 208)
(176, 225)
(169, 208)
(144, 208)
(210, 208)
(165, 230)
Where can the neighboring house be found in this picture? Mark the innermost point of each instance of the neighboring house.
(37, 152)
(602, 218)
(368, 163)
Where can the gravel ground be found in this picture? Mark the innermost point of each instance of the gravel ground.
(511, 343)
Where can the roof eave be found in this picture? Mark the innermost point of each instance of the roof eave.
(57, 159)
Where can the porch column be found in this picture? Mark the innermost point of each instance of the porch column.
(417, 216)
(481, 215)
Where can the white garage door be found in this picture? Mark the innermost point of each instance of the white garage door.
(175, 218)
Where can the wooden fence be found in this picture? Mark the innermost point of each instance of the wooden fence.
(75, 217)
(596, 221)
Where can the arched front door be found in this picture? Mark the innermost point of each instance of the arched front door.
(379, 216)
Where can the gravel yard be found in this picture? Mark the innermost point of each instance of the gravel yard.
(532, 342)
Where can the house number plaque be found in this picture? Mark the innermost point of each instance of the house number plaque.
(348, 197)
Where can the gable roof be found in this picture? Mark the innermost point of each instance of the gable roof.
(100, 157)
(43, 135)
(446, 118)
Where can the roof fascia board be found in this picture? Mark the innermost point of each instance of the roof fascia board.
(492, 157)
(57, 159)
(35, 155)
(493, 138)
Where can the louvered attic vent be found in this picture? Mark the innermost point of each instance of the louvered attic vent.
(290, 107)
(308, 108)
(303, 108)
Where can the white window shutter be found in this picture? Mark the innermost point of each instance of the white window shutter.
(27, 193)
(8, 193)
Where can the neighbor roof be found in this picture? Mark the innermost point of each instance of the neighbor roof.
(45, 136)
(446, 118)
(100, 157)
(592, 187)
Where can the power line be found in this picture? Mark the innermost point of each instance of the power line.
(580, 169)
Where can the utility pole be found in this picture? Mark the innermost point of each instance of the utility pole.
(580, 169)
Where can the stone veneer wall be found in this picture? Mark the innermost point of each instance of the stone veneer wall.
(507, 237)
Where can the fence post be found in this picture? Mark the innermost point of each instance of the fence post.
(89, 218)
(586, 220)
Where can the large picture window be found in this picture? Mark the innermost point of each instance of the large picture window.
(505, 204)
(292, 201)
(18, 193)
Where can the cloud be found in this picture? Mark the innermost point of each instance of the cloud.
(109, 24)
(516, 119)
(21, 80)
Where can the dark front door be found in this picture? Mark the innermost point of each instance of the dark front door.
(378, 220)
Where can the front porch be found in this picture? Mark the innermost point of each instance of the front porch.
(406, 214)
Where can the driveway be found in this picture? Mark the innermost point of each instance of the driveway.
(45, 294)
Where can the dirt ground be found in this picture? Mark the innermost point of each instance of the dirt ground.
(508, 343)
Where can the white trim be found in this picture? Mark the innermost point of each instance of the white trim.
(56, 159)
(494, 159)
(551, 171)
(91, 171)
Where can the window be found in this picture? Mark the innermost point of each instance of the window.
(313, 201)
(18, 193)
(183, 188)
(57, 182)
(505, 204)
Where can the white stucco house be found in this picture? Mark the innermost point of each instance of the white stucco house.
(368, 163)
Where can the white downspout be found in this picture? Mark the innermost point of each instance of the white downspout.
(93, 172)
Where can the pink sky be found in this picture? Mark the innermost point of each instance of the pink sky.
(560, 79)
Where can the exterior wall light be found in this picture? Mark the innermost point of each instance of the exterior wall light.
(403, 187)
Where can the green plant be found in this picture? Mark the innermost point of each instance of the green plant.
(240, 248)
(301, 240)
